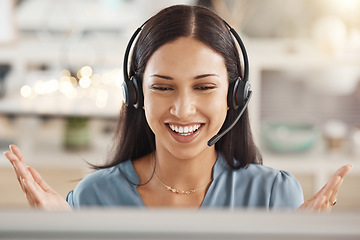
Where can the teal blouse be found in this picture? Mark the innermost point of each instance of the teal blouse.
(256, 186)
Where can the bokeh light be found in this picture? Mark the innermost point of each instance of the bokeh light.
(25, 91)
(86, 71)
(85, 82)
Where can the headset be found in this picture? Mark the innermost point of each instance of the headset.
(240, 89)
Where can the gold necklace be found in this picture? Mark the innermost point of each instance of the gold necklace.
(174, 190)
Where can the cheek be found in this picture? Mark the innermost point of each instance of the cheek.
(154, 109)
(216, 109)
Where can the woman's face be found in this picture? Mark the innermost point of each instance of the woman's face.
(185, 87)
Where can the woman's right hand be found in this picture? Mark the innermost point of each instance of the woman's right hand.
(38, 193)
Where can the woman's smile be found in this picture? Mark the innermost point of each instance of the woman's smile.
(184, 130)
(184, 133)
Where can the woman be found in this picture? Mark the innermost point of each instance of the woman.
(185, 64)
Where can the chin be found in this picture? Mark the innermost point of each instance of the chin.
(190, 152)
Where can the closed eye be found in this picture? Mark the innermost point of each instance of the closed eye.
(157, 88)
(204, 88)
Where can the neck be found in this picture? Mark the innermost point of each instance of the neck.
(185, 173)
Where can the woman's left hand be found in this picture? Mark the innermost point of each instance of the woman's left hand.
(325, 199)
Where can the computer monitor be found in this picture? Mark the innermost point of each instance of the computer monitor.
(149, 224)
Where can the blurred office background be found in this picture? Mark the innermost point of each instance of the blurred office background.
(61, 68)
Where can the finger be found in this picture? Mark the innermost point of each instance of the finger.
(319, 203)
(333, 197)
(16, 151)
(331, 187)
(21, 169)
(15, 157)
(25, 178)
(14, 162)
(341, 172)
(10, 156)
(334, 193)
(338, 179)
(31, 188)
(28, 195)
(39, 180)
(33, 195)
(326, 190)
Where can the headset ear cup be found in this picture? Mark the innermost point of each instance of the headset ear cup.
(138, 97)
(240, 93)
(130, 92)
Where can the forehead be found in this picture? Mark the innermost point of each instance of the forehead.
(186, 55)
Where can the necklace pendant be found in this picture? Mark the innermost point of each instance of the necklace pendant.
(172, 189)
(180, 191)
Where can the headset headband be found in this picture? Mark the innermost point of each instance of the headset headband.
(234, 33)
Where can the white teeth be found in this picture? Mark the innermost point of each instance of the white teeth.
(185, 130)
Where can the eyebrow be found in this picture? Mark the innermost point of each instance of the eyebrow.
(196, 77)
(206, 75)
(162, 76)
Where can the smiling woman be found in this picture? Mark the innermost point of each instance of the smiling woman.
(185, 85)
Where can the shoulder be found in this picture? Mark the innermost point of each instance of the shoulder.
(103, 175)
(282, 188)
(104, 187)
(263, 175)
(98, 180)
(257, 170)
(260, 172)
(258, 186)
(274, 177)
(252, 172)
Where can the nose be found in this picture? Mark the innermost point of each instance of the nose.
(183, 105)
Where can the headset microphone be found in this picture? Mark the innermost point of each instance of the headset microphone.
(217, 137)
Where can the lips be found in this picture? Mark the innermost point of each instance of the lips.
(184, 133)
(184, 130)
